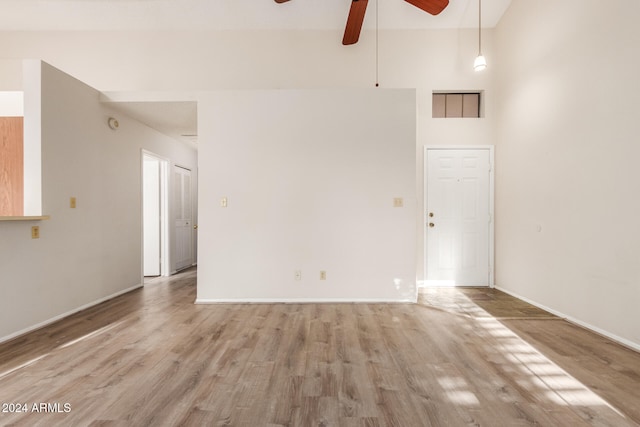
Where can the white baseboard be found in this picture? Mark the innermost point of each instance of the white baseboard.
(63, 315)
(623, 341)
(303, 301)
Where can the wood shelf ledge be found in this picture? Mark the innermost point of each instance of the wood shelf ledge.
(24, 218)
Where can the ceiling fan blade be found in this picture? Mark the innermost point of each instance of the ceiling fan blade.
(433, 7)
(354, 21)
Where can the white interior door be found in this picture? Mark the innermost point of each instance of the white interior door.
(155, 215)
(151, 215)
(458, 220)
(183, 218)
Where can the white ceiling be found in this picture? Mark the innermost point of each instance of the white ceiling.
(234, 14)
(178, 119)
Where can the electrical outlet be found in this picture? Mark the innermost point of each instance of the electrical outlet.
(298, 275)
(72, 202)
(398, 202)
(323, 275)
(35, 232)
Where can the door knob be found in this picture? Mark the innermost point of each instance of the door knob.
(431, 225)
(195, 227)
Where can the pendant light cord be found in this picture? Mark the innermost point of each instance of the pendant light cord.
(479, 27)
(377, 61)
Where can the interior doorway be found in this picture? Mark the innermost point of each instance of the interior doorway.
(155, 215)
(459, 216)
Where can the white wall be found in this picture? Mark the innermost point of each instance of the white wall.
(91, 252)
(424, 60)
(33, 109)
(200, 60)
(179, 61)
(10, 71)
(11, 104)
(568, 184)
(310, 178)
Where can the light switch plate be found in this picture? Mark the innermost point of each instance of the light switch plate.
(398, 202)
(72, 202)
(223, 202)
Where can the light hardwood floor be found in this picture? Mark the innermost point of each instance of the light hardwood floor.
(460, 357)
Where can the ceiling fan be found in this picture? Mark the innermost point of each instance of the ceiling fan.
(359, 7)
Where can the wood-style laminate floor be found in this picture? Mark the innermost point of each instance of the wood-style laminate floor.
(461, 357)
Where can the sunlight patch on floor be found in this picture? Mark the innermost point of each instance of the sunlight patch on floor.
(457, 390)
(24, 365)
(90, 335)
(536, 372)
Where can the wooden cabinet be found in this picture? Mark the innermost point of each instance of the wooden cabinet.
(11, 166)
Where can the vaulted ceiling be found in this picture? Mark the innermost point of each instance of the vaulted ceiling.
(233, 14)
(178, 119)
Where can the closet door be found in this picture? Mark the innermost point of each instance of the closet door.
(183, 218)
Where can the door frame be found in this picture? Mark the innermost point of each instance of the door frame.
(165, 261)
(491, 149)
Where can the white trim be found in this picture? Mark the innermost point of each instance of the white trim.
(67, 314)
(491, 149)
(303, 301)
(623, 341)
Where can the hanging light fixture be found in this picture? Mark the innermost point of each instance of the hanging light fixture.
(480, 63)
